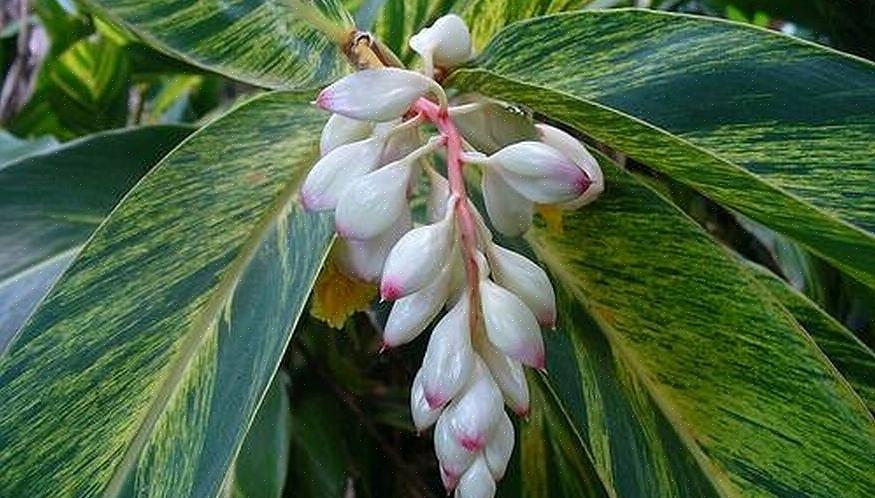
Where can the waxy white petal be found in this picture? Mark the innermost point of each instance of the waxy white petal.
(477, 482)
(423, 415)
(454, 459)
(509, 212)
(417, 259)
(438, 193)
(372, 202)
(341, 130)
(509, 375)
(527, 280)
(448, 41)
(500, 447)
(539, 172)
(411, 314)
(449, 357)
(375, 94)
(474, 413)
(335, 171)
(511, 326)
(576, 151)
(364, 259)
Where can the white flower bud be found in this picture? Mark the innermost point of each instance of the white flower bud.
(539, 172)
(489, 125)
(438, 193)
(527, 280)
(423, 415)
(411, 314)
(334, 172)
(341, 130)
(400, 144)
(364, 259)
(511, 326)
(474, 413)
(417, 259)
(500, 447)
(576, 151)
(376, 94)
(509, 376)
(372, 202)
(454, 459)
(447, 42)
(449, 357)
(476, 482)
(509, 212)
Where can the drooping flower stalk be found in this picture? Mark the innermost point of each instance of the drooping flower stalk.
(497, 300)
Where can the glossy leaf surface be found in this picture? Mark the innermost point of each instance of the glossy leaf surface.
(164, 334)
(773, 127)
(53, 201)
(263, 42)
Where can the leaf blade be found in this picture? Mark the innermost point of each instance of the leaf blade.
(674, 111)
(200, 315)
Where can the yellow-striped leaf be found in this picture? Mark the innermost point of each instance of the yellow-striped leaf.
(52, 201)
(681, 373)
(268, 43)
(778, 129)
(141, 372)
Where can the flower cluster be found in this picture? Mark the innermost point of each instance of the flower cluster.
(497, 301)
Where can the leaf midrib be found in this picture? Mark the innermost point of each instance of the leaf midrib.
(859, 233)
(197, 336)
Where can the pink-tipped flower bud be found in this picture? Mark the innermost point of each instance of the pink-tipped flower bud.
(335, 171)
(376, 94)
(477, 482)
(423, 414)
(411, 314)
(341, 130)
(372, 202)
(508, 375)
(438, 194)
(500, 447)
(417, 259)
(449, 357)
(527, 280)
(453, 458)
(364, 259)
(509, 212)
(474, 413)
(447, 42)
(511, 326)
(539, 172)
(576, 151)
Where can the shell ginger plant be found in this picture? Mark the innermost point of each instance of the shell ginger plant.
(498, 300)
(706, 259)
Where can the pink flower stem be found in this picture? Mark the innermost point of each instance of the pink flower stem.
(467, 226)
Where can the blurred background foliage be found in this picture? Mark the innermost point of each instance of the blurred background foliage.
(336, 422)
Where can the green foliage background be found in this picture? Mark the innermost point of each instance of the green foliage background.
(717, 308)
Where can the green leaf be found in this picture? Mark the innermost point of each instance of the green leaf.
(261, 467)
(12, 148)
(142, 370)
(401, 19)
(320, 452)
(53, 201)
(270, 44)
(83, 90)
(681, 373)
(554, 460)
(852, 358)
(775, 128)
